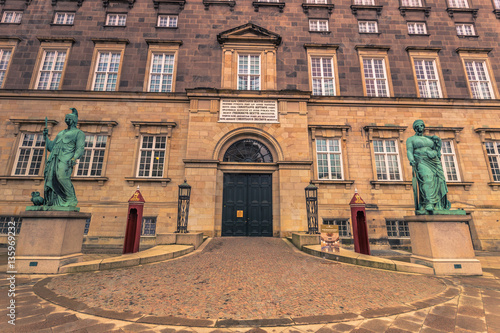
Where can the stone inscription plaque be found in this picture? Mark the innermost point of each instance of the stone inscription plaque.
(248, 111)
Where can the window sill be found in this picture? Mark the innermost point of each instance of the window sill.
(167, 28)
(465, 36)
(114, 26)
(466, 185)
(13, 23)
(497, 13)
(347, 183)
(355, 8)
(452, 11)
(132, 180)
(370, 33)
(320, 32)
(494, 185)
(427, 35)
(307, 6)
(61, 25)
(181, 3)
(404, 9)
(37, 179)
(376, 183)
(100, 180)
(230, 3)
(257, 4)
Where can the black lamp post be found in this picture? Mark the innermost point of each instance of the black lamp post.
(312, 208)
(183, 207)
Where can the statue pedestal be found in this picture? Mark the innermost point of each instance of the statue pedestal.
(48, 240)
(443, 242)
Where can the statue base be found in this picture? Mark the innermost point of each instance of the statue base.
(440, 212)
(48, 240)
(443, 242)
(53, 208)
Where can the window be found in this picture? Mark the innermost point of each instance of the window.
(479, 81)
(465, 29)
(368, 27)
(497, 4)
(493, 151)
(329, 158)
(364, 2)
(322, 1)
(268, 0)
(148, 227)
(397, 229)
(106, 72)
(10, 16)
(91, 162)
(249, 72)
(449, 161)
(87, 226)
(10, 221)
(64, 18)
(116, 19)
(375, 78)
(161, 75)
(51, 70)
(427, 78)
(29, 155)
(323, 81)
(417, 28)
(4, 63)
(411, 3)
(458, 3)
(167, 21)
(387, 160)
(344, 226)
(152, 156)
(318, 25)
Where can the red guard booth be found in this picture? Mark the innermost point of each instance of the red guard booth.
(359, 228)
(134, 220)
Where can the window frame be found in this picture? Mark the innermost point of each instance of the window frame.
(408, 4)
(102, 47)
(372, 53)
(338, 222)
(118, 16)
(143, 225)
(495, 176)
(398, 226)
(153, 150)
(463, 25)
(363, 2)
(17, 13)
(328, 153)
(317, 26)
(454, 158)
(478, 55)
(49, 46)
(427, 54)
(66, 13)
(4, 224)
(323, 51)
(367, 22)
(27, 172)
(385, 155)
(423, 23)
(92, 150)
(164, 47)
(466, 2)
(248, 76)
(9, 44)
(169, 17)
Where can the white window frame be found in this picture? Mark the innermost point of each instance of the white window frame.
(465, 29)
(458, 3)
(449, 161)
(384, 158)
(246, 75)
(415, 27)
(16, 17)
(96, 153)
(425, 78)
(322, 81)
(397, 227)
(318, 2)
(116, 19)
(411, 3)
(475, 82)
(5, 56)
(151, 158)
(368, 27)
(68, 18)
(318, 25)
(493, 153)
(496, 4)
(107, 72)
(170, 21)
(364, 2)
(147, 225)
(54, 69)
(163, 75)
(31, 167)
(378, 82)
(269, 0)
(343, 224)
(329, 153)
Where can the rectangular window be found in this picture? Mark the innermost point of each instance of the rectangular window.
(449, 161)
(323, 81)
(364, 2)
(248, 72)
(10, 16)
(64, 18)
(387, 160)
(479, 80)
(493, 151)
(4, 62)
(417, 28)
(162, 72)
(329, 154)
(152, 156)
(465, 29)
(106, 72)
(322, 1)
(344, 226)
(92, 160)
(458, 3)
(497, 4)
(10, 221)
(29, 155)
(375, 78)
(116, 19)
(411, 3)
(427, 78)
(87, 226)
(167, 21)
(148, 227)
(268, 0)
(397, 229)
(318, 25)
(51, 70)
(368, 27)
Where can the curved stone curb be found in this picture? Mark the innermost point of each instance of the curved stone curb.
(42, 291)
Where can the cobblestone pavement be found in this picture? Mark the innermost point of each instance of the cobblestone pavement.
(399, 302)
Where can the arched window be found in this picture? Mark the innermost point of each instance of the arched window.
(248, 151)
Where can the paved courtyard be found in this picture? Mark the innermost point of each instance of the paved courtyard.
(257, 285)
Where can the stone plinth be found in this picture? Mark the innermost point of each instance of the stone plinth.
(191, 238)
(443, 242)
(302, 239)
(48, 240)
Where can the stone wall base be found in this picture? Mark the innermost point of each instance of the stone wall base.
(44, 265)
(191, 238)
(450, 266)
(302, 239)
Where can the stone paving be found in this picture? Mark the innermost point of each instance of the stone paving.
(468, 304)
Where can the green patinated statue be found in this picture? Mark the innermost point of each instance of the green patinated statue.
(429, 183)
(65, 149)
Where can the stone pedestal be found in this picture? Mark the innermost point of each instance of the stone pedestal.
(48, 240)
(301, 239)
(443, 242)
(191, 238)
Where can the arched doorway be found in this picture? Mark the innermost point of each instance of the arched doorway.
(247, 197)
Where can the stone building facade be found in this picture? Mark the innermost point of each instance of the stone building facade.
(249, 101)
